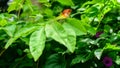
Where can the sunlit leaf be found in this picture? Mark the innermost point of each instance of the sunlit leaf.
(74, 29)
(43, 1)
(3, 22)
(37, 43)
(77, 24)
(15, 5)
(9, 42)
(66, 2)
(58, 33)
(111, 47)
(98, 53)
(118, 60)
(71, 35)
(10, 30)
(25, 31)
(91, 30)
(96, 1)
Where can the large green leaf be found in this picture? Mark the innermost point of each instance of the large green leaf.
(77, 24)
(37, 43)
(54, 61)
(58, 33)
(74, 29)
(66, 2)
(23, 31)
(71, 34)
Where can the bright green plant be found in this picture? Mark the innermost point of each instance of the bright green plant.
(43, 34)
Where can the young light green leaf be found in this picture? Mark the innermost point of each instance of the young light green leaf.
(111, 47)
(58, 33)
(15, 5)
(37, 43)
(43, 1)
(10, 30)
(98, 1)
(98, 53)
(66, 2)
(3, 22)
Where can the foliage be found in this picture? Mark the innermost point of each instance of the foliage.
(43, 34)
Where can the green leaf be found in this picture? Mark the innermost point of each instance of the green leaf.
(107, 28)
(3, 22)
(82, 58)
(12, 7)
(98, 1)
(37, 43)
(25, 31)
(71, 34)
(98, 53)
(77, 24)
(10, 30)
(118, 60)
(15, 5)
(48, 12)
(10, 41)
(66, 2)
(74, 29)
(93, 10)
(25, 39)
(58, 33)
(78, 59)
(54, 61)
(91, 30)
(20, 52)
(43, 1)
(111, 47)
